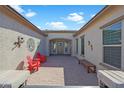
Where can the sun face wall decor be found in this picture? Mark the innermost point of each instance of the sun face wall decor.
(30, 44)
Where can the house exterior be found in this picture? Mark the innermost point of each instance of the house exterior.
(100, 41)
(13, 26)
(60, 42)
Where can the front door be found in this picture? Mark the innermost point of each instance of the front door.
(60, 47)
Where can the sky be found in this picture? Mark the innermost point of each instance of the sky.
(58, 17)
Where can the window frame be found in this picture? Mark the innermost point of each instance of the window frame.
(112, 45)
(105, 28)
(76, 45)
(83, 48)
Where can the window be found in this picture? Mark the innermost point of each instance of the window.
(60, 43)
(112, 34)
(77, 46)
(82, 45)
(66, 47)
(112, 45)
(112, 56)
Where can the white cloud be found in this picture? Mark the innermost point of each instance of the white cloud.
(92, 15)
(57, 25)
(39, 27)
(18, 8)
(30, 13)
(75, 17)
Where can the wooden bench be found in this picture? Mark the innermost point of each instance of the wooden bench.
(91, 68)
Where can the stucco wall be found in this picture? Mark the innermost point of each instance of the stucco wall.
(9, 31)
(94, 34)
(57, 36)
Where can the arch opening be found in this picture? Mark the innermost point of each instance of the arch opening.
(60, 46)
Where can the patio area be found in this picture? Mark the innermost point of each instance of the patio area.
(69, 72)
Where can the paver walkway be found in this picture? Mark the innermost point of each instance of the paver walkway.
(74, 74)
(47, 77)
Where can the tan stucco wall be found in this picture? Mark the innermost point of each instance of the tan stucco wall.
(94, 34)
(9, 31)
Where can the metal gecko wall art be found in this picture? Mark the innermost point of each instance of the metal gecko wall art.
(18, 43)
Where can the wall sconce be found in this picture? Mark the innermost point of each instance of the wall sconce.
(91, 46)
(18, 43)
(88, 43)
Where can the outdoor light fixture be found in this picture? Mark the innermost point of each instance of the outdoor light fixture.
(91, 46)
(88, 43)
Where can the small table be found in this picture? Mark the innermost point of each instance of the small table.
(111, 78)
(13, 78)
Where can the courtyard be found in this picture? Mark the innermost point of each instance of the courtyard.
(74, 73)
(98, 45)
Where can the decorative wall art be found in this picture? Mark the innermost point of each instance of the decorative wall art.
(30, 44)
(91, 46)
(18, 43)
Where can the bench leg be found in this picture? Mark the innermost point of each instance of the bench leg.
(78, 62)
(88, 70)
(92, 69)
(95, 70)
(23, 84)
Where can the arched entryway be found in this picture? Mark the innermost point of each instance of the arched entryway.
(60, 46)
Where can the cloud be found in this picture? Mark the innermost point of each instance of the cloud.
(92, 15)
(56, 25)
(39, 27)
(30, 13)
(18, 8)
(75, 17)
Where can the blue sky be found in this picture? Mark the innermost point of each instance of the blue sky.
(61, 17)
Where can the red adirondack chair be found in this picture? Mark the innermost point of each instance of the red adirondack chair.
(41, 57)
(33, 65)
